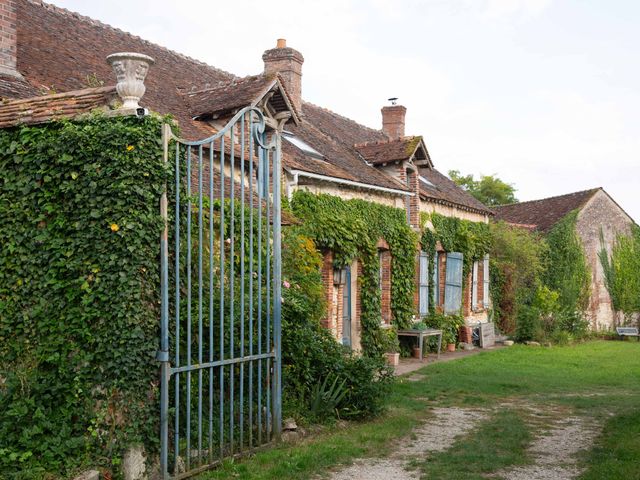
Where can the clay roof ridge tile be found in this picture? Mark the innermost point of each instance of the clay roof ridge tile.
(97, 23)
(580, 192)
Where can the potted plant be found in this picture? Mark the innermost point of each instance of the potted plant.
(391, 345)
(450, 331)
(418, 326)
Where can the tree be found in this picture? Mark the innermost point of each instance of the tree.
(489, 189)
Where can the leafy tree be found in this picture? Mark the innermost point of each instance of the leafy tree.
(489, 189)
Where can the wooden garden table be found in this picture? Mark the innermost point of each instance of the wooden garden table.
(420, 335)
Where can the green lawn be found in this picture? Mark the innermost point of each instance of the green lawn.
(598, 380)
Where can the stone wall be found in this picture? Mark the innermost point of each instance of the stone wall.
(601, 212)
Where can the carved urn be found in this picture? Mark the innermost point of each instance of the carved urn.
(131, 70)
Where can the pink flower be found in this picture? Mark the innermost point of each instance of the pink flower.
(286, 284)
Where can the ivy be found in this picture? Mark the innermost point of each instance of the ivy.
(567, 271)
(79, 229)
(472, 239)
(622, 271)
(351, 229)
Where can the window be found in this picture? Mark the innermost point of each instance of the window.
(474, 286)
(302, 145)
(485, 283)
(424, 284)
(453, 283)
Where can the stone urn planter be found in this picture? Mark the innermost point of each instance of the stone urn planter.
(131, 70)
(393, 358)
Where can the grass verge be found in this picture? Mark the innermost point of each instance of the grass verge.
(594, 379)
(617, 450)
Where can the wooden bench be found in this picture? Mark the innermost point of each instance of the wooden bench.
(628, 332)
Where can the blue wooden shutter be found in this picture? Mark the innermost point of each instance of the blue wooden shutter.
(453, 283)
(485, 298)
(424, 284)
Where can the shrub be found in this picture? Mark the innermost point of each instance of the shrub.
(311, 356)
(528, 325)
(449, 324)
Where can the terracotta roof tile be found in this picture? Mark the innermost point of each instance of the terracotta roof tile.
(378, 153)
(51, 107)
(340, 159)
(65, 51)
(544, 213)
(15, 87)
(445, 190)
(230, 95)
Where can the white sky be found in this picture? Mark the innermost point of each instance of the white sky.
(543, 93)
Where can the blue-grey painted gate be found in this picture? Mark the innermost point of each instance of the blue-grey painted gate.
(221, 296)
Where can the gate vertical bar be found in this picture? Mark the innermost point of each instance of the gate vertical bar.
(277, 288)
(176, 426)
(188, 401)
(221, 320)
(200, 299)
(163, 354)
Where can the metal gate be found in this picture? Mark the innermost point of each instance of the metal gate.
(220, 392)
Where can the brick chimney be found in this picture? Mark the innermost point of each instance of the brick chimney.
(9, 38)
(288, 63)
(393, 121)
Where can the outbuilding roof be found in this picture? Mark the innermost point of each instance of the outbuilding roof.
(543, 214)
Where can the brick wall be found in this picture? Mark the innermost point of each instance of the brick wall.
(414, 202)
(327, 282)
(386, 286)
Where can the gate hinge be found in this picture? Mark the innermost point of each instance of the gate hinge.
(162, 355)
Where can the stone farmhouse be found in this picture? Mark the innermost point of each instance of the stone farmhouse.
(597, 212)
(52, 65)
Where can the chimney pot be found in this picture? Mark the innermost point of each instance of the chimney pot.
(9, 38)
(393, 121)
(281, 43)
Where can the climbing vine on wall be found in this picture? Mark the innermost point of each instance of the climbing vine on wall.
(79, 229)
(566, 269)
(472, 239)
(351, 229)
(622, 271)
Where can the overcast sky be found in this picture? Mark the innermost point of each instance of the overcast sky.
(543, 93)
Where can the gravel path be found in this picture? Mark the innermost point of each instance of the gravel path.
(555, 452)
(437, 434)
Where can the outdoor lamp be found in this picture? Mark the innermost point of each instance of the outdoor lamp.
(339, 276)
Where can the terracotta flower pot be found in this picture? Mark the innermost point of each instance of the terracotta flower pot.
(416, 352)
(393, 359)
(451, 347)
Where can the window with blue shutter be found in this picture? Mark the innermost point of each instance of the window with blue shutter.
(485, 290)
(453, 283)
(424, 284)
